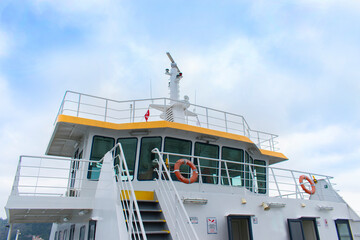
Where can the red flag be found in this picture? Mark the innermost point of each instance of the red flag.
(147, 115)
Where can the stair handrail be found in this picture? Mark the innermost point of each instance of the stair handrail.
(184, 218)
(126, 190)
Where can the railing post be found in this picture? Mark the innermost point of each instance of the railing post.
(258, 140)
(15, 189)
(106, 105)
(9, 232)
(243, 123)
(296, 186)
(78, 108)
(277, 186)
(130, 113)
(207, 118)
(228, 175)
(226, 126)
(133, 112)
(38, 175)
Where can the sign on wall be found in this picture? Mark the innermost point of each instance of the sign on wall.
(211, 225)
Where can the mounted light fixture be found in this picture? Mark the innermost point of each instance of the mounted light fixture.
(268, 205)
(325, 208)
(83, 212)
(265, 206)
(276, 204)
(201, 201)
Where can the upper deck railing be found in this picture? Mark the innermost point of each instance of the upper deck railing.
(107, 110)
(64, 177)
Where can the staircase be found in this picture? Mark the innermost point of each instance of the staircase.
(152, 217)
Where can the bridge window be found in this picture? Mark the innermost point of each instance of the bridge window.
(147, 164)
(260, 176)
(208, 168)
(100, 146)
(129, 146)
(178, 146)
(233, 170)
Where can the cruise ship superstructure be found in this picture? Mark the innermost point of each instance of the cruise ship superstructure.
(164, 168)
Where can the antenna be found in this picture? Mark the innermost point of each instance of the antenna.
(170, 57)
(172, 60)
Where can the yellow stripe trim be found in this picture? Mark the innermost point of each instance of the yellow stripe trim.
(150, 125)
(162, 124)
(273, 154)
(140, 195)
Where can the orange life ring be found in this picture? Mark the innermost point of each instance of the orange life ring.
(181, 178)
(312, 191)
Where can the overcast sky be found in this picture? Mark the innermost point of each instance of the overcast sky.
(290, 67)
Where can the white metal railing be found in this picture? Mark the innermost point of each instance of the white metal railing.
(173, 204)
(260, 179)
(126, 192)
(103, 109)
(50, 176)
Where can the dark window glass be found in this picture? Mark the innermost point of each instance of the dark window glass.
(92, 230)
(100, 146)
(239, 227)
(82, 233)
(129, 146)
(296, 229)
(56, 236)
(60, 235)
(208, 168)
(147, 164)
(178, 146)
(72, 232)
(303, 228)
(260, 174)
(343, 229)
(235, 171)
(65, 235)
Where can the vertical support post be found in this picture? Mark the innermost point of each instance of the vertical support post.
(106, 105)
(207, 118)
(131, 109)
(277, 186)
(9, 232)
(226, 125)
(258, 140)
(228, 175)
(133, 112)
(78, 108)
(17, 234)
(296, 187)
(38, 176)
(15, 188)
(243, 123)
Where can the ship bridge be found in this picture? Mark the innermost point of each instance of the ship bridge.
(117, 169)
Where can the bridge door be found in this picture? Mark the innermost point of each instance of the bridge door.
(239, 228)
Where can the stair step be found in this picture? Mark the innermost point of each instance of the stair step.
(151, 221)
(157, 232)
(147, 210)
(162, 232)
(144, 201)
